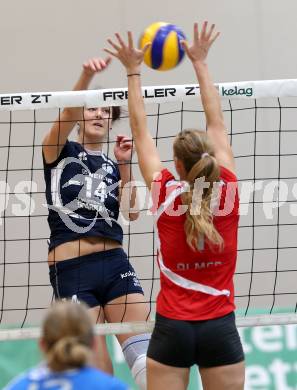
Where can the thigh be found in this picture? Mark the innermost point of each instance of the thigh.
(161, 376)
(127, 308)
(229, 377)
(101, 357)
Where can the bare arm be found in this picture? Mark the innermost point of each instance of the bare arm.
(131, 58)
(128, 192)
(57, 136)
(209, 95)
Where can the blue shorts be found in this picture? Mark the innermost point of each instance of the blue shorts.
(95, 279)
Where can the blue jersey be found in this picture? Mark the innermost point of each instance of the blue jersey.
(82, 191)
(41, 378)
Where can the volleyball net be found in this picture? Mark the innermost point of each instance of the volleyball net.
(261, 117)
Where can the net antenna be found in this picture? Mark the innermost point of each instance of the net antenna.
(261, 120)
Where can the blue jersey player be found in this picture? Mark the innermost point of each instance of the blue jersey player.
(83, 190)
(67, 343)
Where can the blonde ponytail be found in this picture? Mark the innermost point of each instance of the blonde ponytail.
(67, 336)
(194, 150)
(67, 353)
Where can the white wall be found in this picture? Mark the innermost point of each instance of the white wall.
(45, 42)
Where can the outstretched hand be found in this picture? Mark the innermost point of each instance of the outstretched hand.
(127, 53)
(96, 65)
(202, 42)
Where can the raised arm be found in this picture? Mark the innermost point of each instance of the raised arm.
(132, 58)
(56, 138)
(123, 151)
(216, 128)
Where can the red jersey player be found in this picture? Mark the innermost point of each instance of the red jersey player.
(197, 224)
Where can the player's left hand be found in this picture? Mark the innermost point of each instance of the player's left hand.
(95, 65)
(127, 53)
(123, 149)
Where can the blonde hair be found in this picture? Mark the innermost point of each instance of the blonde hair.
(67, 335)
(193, 148)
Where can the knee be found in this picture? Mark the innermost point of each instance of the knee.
(138, 371)
(135, 349)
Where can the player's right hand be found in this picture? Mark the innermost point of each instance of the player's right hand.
(202, 41)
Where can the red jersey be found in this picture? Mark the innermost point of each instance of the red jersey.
(195, 284)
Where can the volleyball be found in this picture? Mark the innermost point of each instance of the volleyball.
(166, 51)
